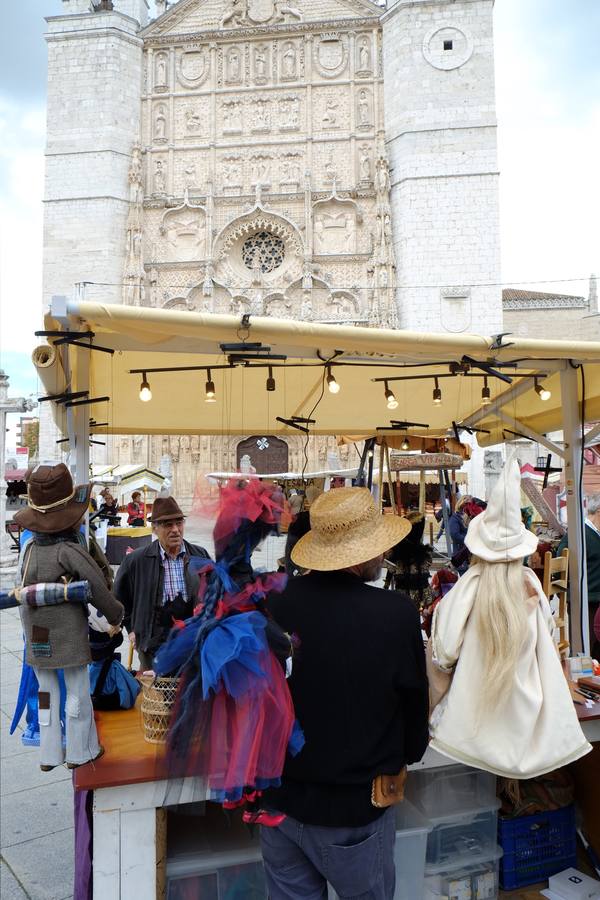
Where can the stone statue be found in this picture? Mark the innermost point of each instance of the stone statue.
(365, 164)
(235, 12)
(282, 10)
(260, 63)
(364, 109)
(330, 116)
(364, 55)
(382, 178)
(153, 279)
(233, 65)
(193, 122)
(161, 71)
(306, 307)
(189, 175)
(289, 61)
(159, 178)
(160, 124)
(136, 192)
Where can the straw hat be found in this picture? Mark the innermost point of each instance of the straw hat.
(346, 529)
(498, 534)
(53, 504)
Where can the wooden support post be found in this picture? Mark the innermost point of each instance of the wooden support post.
(578, 593)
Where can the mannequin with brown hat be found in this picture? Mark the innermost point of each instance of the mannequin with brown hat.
(359, 689)
(56, 637)
(156, 584)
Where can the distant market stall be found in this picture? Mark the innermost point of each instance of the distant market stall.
(141, 370)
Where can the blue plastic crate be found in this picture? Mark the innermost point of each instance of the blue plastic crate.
(537, 846)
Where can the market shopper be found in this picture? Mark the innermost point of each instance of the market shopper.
(155, 584)
(360, 693)
(56, 636)
(135, 510)
(592, 551)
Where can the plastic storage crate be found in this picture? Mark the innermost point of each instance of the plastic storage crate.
(471, 877)
(449, 791)
(537, 846)
(463, 833)
(220, 878)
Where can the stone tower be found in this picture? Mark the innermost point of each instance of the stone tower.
(440, 126)
(93, 116)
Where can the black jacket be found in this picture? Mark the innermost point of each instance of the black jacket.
(139, 586)
(360, 694)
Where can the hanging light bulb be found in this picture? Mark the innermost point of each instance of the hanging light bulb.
(145, 392)
(392, 403)
(405, 445)
(270, 380)
(332, 384)
(542, 392)
(486, 397)
(209, 389)
(437, 393)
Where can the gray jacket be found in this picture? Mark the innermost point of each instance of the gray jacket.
(139, 587)
(56, 637)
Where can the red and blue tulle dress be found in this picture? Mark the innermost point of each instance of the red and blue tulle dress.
(233, 721)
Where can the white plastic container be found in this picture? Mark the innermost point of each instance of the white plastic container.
(471, 877)
(462, 834)
(412, 830)
(449, 791)
(217, 876)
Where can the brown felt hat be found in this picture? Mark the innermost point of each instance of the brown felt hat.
(165, 509)
(53, 504)
(346, 529)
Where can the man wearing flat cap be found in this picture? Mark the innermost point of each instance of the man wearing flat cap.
(156, 584)
(360, 695)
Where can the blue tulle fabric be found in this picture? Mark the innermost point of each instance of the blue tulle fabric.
(230, 655)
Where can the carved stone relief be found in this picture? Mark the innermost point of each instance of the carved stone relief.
(232, 117)
(290, 68)
(288, 110)
(232, 176)
(331, 54)
(290, 170)
(365, 165)
(261, 169)
(191, 119)
(193, 66)
(260, 115)
(259, 12)
(331, 108)
(334, 230)
(185, 234)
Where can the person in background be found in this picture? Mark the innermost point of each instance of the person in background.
(135, 510)
(457, 527)
(360, 694)
(156, 584)
(411, 559)
(109, 508)
(299, 526)
(56, 637)
(592, 550)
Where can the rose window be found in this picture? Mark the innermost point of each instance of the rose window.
(263, 251)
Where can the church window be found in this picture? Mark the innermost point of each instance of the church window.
(447, 45)
(263, 250)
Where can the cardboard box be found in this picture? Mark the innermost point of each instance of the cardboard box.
(574, 885)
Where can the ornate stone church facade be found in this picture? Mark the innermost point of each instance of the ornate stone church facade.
(325, 159)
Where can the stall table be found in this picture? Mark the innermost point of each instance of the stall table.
(131, 788)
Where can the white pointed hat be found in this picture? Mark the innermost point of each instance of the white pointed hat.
(498, 534)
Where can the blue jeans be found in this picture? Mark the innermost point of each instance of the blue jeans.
(357, 862)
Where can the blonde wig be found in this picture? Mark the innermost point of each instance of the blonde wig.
(501, 619)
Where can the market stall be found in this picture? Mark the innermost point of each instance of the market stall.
(240, 376)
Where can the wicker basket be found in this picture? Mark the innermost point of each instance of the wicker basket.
(158, 697)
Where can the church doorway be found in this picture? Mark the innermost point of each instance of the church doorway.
(267, 454)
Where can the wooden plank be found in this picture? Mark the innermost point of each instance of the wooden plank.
(139, 853)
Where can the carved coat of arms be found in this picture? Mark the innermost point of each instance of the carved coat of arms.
(261, 11)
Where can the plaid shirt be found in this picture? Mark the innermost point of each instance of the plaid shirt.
(174, 575)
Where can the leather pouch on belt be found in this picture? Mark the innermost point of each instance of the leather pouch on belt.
(387, 790)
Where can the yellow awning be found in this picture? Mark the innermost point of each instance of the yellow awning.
(145, 339)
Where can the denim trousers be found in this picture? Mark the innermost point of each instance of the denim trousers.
(82, 740)
(300, 860)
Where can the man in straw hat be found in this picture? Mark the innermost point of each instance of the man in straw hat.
(56, 637)
(360, 694)
(155, 583)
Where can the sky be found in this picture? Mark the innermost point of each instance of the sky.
(548, 108)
